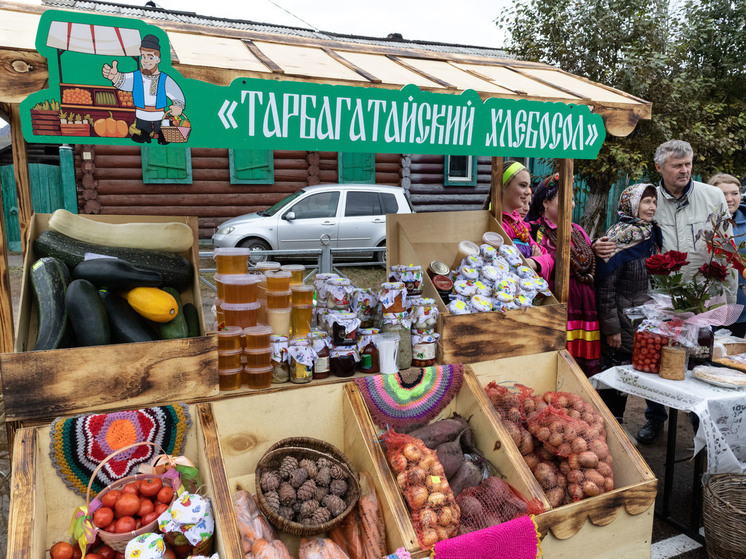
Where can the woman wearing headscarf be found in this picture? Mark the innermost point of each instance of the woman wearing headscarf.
(516, 192)
(583, 336)
(622, 280)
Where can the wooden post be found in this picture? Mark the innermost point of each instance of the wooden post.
(6, 301)
(20, 168)
(564, 224)
(496, 188)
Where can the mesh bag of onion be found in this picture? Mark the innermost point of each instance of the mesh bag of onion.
(492, 502)
(423, 483)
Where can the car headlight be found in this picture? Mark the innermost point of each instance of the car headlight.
(225, 230)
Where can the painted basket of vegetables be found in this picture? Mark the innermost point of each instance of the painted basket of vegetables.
(178, 131)
(306, 486)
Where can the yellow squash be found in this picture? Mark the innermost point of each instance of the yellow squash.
(152, 303)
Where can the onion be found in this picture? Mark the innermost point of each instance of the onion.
(429, 538)
(412, 453)
(401, 480)
(428, 518)
(398, 462)
(417, 497)
(446, 516)
(416, 475)
(436, 499)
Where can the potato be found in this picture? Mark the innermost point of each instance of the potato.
(573, 462)
(555, 439)
(555, 496)
(604, 469)
(561, 480)
(526, 445)
(529, 406)
(599, 448)
(588, 459)
(544, 455)
(514, 415)
(574, 414)
(579, 445)
(545, 475)
(514, 431)
(564, 467)
(531, 461)
(564, 449)
(576, 477)
(590, 489)
(608, 484)
(594, 476)
(543, 433)
(575, 491)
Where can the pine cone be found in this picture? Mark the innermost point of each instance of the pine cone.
(270, 481)
(335, 505)
(321, 515)
(338, 487)
(286, 512)
(288, 466)
(323, 463)
(337, 472)
(273, 501)
(310, 467)
(286, 494)
(321, 492)
(307, 490)
(296, 507)
(308, 508)
(299, 476)
(324, 476)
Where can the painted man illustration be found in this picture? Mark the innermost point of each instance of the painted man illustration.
(150, 89)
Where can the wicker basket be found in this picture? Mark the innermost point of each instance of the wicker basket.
(175, 134)
(118, 542)
(724, 511)
(313, 449)
(673, 363)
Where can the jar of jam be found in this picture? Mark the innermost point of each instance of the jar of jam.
(320, 343)
(302, 357)
(280, 359)
(438, 268)
(338, 294)
(344, 328)
(319, 283)
(369, 362)
(411, 277)
(342, 360)
(365, 304)
(392, 297)
(394, 272)
(424, 349)
(444, 287)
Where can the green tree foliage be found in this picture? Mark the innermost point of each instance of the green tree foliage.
(688, 59)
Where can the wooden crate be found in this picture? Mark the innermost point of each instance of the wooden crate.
(612, 525)
(471, 402)
(46, 384)
(247, 426)
(422, 238)
(41, 506)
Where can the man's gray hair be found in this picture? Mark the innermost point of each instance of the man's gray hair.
(677, 148)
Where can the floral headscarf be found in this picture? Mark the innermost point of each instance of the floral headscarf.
(630, 229)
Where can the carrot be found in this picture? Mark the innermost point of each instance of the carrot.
(371, 519)
(348, 537)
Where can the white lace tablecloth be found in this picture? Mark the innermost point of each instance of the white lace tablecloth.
(722, 428)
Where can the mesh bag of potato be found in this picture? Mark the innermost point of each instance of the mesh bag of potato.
(422, 482)
(512, 407)
(492, 502)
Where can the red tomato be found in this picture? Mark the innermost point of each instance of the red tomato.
(105, 552)
(92, 556)
(61, 550)
(126, 524)
(77, 553)
(112, 527)
(146, 507)
(109, 498)
(160, 508)
(148, 518)
(165, 495)
(103, 517)
(127, 504)
(150, 486)
(131, 487)
(119, 555)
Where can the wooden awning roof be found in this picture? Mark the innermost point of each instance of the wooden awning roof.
(218, 55)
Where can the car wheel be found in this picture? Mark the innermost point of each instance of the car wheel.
(255, 244)
(380, 257)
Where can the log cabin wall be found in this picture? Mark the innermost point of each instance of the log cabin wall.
(424, 177)
(110, 181)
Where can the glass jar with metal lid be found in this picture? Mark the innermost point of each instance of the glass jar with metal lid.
(438, 268)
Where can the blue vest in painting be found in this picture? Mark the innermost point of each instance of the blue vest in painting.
(138, 96)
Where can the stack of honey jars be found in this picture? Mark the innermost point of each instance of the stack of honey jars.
(237, 303)
(257, 371)
(230, 351)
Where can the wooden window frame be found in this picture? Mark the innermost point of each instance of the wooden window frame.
(466, 181)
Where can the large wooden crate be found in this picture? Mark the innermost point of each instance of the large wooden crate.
(422, 238)
(45, 384)
(247, 426)
(611, 525)
(41, 506)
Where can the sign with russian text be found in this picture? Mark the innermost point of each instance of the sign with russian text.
(111, 82)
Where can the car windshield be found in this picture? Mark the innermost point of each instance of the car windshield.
(281, 204)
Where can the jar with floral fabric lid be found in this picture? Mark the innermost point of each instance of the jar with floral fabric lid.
(394, 272)
(365, 304)
(338, 294)
(319, 282)
(393, 297)
(369, 362)
(280, 362)
(321, 345)
(424, 349)
(302, 357)
(425, 315)
(399, 323)
(411, 277)
(344, 327)
(342, 360)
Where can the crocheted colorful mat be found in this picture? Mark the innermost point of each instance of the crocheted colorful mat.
(393, 401)
(79, 444)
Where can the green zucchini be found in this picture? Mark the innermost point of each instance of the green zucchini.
(175, 270)
(86, 314)
(192, 319)
(116, 274)
(49, 285)
(177, 327)
(125, 325)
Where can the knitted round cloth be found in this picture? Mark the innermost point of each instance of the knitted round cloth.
(394, 402)
(79, 444)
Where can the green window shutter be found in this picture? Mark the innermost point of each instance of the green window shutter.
(357, 168)
(166, 165)
(252, 166)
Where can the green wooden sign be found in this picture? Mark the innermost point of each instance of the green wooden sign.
(111, 82)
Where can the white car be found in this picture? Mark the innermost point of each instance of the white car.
(340, 215)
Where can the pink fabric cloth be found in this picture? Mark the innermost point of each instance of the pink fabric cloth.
(546, 260)
(515, 539)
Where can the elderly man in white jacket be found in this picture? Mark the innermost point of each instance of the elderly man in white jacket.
(683, 208)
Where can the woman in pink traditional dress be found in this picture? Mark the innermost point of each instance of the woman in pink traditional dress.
(516, 192)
